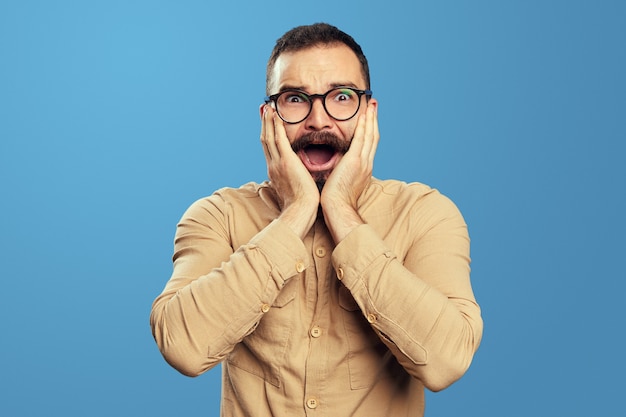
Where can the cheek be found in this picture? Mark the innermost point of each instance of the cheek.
(292, 132)
(347, 129)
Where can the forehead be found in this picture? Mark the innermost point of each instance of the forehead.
(317, 69)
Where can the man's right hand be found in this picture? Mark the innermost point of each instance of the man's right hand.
(298, 194)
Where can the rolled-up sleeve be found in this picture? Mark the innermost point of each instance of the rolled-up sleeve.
(216, 294)
(422, 305)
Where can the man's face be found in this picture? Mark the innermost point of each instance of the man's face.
(319, 140)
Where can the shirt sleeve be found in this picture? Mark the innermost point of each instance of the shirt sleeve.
(422, 306)
(217, 295)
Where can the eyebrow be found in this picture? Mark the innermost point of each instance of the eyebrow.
(303, 88)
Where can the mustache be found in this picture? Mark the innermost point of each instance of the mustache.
(321, 138)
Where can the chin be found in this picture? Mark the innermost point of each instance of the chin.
(320, 178)
(320, 185)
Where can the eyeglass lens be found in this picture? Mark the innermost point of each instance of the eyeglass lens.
(340, 103)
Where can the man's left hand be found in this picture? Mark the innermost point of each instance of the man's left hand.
(350, 177)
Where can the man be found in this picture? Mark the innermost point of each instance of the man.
(324, 291)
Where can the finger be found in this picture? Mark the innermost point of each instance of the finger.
(367, 134)
(263, 136)
(269, 134)
(282, 142)
(356, 146)
(372, 135)
(376, 134)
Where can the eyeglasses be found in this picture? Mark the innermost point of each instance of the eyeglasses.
(341, 103)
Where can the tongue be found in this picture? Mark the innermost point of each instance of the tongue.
(319, 155)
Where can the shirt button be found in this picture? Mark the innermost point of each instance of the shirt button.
(371, 317)
(340, 273)
(312, 403)
(320, 252)
(299, 266)
(265, 308)
(316, 332)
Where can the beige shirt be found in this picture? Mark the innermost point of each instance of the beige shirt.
(307, 328)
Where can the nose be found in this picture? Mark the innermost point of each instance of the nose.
(318, 119)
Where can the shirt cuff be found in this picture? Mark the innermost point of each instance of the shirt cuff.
(284, 250)
(356, 252)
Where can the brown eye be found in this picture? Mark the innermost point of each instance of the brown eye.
(343, 95)
(294, 98)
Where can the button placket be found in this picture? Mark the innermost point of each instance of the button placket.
(322, 271)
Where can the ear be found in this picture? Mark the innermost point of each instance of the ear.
(373, 102)
(263, 107)
(262, 110)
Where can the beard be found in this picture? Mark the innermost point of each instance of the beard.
(321, 139)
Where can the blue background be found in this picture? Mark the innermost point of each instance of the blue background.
(116, 115)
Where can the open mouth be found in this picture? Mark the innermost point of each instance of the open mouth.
(320, 151)
(318, 157)
(319, 154)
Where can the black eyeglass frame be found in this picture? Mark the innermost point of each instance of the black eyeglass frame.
(311, 97)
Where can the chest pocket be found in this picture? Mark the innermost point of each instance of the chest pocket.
(263, 351)
(369, 360)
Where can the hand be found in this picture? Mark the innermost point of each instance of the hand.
(297, 193)
(350, 177)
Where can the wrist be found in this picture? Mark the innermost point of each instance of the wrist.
(341, 220)
(299, 217)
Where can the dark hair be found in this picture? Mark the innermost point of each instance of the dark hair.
(303, 37)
